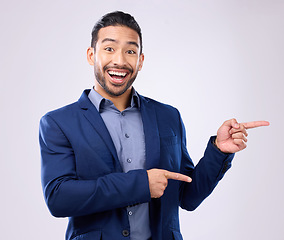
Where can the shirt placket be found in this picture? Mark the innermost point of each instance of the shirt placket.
(127, 142)
(127, 162)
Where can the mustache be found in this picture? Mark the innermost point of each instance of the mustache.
(118, 67)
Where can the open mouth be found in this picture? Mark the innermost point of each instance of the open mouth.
(117, 76)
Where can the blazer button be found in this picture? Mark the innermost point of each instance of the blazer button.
(125, 233)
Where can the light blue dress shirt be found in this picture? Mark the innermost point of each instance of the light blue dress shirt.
(126, 131)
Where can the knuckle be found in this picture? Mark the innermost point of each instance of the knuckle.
(165, 182)
(161, 193)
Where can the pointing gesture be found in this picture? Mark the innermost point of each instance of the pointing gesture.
(255, 124)
(158, 180)
(232, 136)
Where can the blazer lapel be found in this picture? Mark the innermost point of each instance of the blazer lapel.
(152, 139)
(93, 116)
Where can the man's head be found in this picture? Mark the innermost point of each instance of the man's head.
(116, 54)
(116, 19)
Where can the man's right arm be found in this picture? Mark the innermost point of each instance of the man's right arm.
(68, 195)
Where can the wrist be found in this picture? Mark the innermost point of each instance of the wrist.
(216, 145)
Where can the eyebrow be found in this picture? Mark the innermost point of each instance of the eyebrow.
(113, 40)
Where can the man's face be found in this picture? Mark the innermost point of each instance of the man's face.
(116, 59)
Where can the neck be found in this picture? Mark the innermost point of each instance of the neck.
(120, 102)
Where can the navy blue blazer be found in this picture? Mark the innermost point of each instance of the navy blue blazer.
(82, 177)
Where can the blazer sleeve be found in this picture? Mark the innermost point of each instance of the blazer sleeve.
(205, 175)
(66, 195)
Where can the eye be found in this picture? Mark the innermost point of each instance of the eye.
(131, 52)
(109, 49)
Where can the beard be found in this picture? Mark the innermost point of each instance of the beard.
(114, 90)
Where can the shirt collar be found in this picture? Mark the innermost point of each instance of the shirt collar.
(99, 102)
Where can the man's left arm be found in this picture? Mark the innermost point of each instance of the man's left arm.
(231, 138)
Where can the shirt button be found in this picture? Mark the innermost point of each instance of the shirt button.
(126, 135)
(130, 213)
(129, 160)
(125, 233)
(123, 113)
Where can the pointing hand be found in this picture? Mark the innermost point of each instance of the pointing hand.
(232, 136)
(158, 180)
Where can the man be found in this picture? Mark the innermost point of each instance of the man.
(116, 162)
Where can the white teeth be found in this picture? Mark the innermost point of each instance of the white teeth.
(121, 74)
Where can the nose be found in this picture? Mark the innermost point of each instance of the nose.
(119, 58)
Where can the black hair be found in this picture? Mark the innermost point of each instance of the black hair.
(117, 18)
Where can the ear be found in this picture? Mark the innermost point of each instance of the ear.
(141, 60)
(90, 55)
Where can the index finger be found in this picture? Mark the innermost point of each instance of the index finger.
(255, 124)
(177, 176)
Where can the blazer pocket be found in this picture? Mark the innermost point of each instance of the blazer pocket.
(168, 141)
(177, 235)
(94, 235)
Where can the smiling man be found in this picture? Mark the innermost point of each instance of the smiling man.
(117, 57)
(116, 162)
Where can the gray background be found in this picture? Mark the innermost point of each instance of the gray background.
(213, 60)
